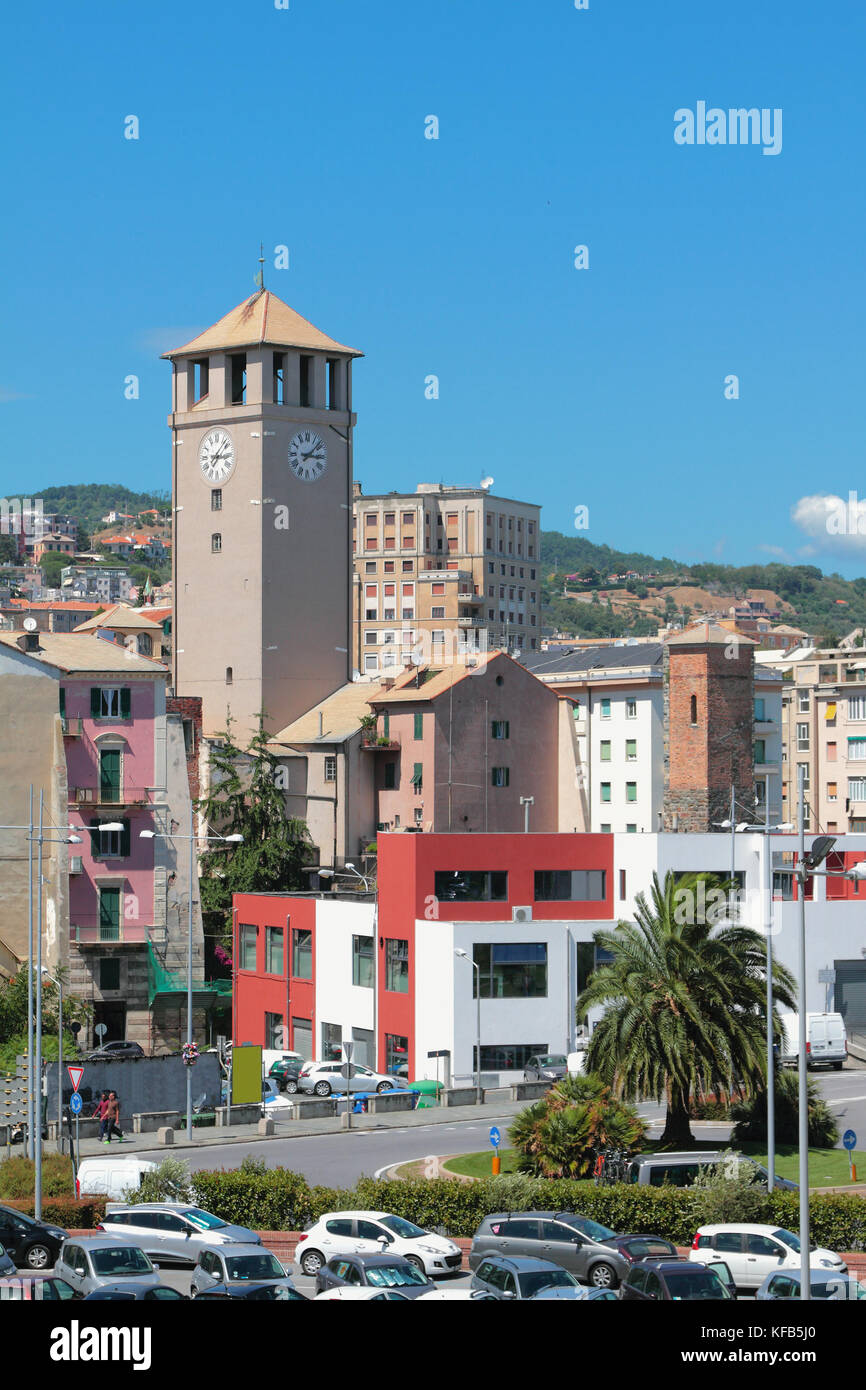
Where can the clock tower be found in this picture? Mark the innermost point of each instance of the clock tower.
(261, 425)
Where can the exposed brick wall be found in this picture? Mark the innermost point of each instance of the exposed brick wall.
(703, 758)
(189, 707)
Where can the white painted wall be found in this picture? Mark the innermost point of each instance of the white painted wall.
(337, 999)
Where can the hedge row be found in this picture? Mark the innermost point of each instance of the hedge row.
(72, 1215)
(280, 1200)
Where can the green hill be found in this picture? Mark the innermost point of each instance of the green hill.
(90, 502)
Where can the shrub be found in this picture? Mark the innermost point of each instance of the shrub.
(169, 1181)
(276, 1200)
(18, 1175)
(750, 1116)
(72, 1215)
(558, 1136)
(719, 1195)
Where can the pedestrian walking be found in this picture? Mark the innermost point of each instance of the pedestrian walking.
(112, 1116)
(100, 1113)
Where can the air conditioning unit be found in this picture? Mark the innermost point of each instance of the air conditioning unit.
(75, 864)
(84, 794)
(521, 914)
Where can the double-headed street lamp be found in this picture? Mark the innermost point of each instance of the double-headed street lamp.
(191, 838)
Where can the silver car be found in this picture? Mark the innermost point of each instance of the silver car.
(546, 1066)
(324, 1078)
(175, 1232)
(92, 1262)
(235, 1266)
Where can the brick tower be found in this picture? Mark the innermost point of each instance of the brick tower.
(708, 711)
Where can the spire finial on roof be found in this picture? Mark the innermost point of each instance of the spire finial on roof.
(260, 276)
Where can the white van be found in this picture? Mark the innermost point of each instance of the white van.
(110, 1177)
(826, 1040)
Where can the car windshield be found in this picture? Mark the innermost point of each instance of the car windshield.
(264, 1266)
(394, 1276)
(788, 1238)
(546, 1279)
(203, 1220)
(593, 1229)
(644, 1246)
(122, 1259)
(695, 1284)
(277, 1293)
(553, 1061)
(407, 1230)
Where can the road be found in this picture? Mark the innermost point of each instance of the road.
(338, 1160)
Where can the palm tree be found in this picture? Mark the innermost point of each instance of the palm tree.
(685, 1002)
(558, 1136)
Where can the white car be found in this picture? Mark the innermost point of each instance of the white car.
(375, 1233)
(751, 1251)
(324, 1078)
(363, 1295)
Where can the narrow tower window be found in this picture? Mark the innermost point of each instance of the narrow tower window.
(694, 709)
(279, 378)
(201, 372)
(216, 543)
(333, 366)
(239, 378)
(229, 676)
(306, 379)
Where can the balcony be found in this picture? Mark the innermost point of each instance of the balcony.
(471, 622)
(380, 744)
(469, 596)
(765, 726)
(90, 930)
(111, 796)
(72, 728)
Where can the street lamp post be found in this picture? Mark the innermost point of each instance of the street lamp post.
(526, 802)
(191, 838)
(475, 966)
(803, 1092)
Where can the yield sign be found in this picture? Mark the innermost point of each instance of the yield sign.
(75, 1075)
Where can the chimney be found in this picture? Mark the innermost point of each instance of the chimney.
(321, 725)
(29, 642)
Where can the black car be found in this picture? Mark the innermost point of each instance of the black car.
(119, 1293)
(258, 1293)
(30, 1243)
(672, 1281)
(373, 1271)
(636, 1247)
(115, 1049)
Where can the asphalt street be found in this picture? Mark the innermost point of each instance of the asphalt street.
(338, 1160)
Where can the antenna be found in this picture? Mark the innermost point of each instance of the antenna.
(260, 277)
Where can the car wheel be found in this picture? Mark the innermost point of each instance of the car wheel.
(311, 1262)
(603, 1276)
(384, 1086)
(38, 1257)
(292, 1088)
(322, 1088)
(837, 1066)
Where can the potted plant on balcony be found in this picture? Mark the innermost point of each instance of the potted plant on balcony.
(368, 728)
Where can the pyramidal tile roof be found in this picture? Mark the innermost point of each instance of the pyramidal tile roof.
(263, 318)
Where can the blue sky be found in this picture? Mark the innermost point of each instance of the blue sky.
(601, 387)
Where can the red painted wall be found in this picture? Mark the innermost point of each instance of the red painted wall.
(257, 993)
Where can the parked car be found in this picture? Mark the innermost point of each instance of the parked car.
(367, 1294)
(563, 1238)
(506, 1278)
(90, 1262)
(30, 1243)
(175, 1232)
(109, 1051)
(373, 1271)
(546, 1066)
(234, 1265)
(669, 1281)
(274, 1057)
(580, 1293)
(826, 1040)
(272, 1099)
(754, 1251)
(118, 1293)
(7, 1264)
(111, 1177)
(375, 1233)
(823, 1284)
(35, 1288)
(324, 1078)
(681, 1169)
(457, 1296)
(285, 1071)
(635, 1247)
(253, 1293)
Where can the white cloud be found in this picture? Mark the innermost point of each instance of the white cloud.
(835, 523)
(777, 550)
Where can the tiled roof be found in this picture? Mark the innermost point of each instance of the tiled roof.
(263, 318)
(707, 634)
(341, 715)
(73, 653)
(119, 616)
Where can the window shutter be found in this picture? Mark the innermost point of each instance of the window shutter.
(125, 840)
(95, 701)
(417, 775)
(125, 702)
(419, 726)
(63, 701)
(507, 728)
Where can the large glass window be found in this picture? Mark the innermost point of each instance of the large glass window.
(471, 886)
(396, 1053)
(274, 1030)
(332, 1042)
(857, 706)
(274, 950)
(506, 1056)
(302, 954)
(247, 943)
(569, 885)
(362, 961)
(397, 966)
(510, 970)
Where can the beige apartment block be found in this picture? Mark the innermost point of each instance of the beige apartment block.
(824, 730)
(261, 426)
(440, 571)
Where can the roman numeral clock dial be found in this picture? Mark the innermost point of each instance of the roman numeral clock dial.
(216, 456)
(308, 456)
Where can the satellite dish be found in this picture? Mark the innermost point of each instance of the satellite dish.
(30, 624)
(486, 483)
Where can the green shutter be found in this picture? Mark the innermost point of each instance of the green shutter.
(63, 701)
(124, 702)
(419, 726)
(386, 725)
(418, 775)
(95, 702)
(125, 840)
(508, 728)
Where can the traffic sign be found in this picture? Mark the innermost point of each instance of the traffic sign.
(849, 1139)
(75, 1075)
(495, 1137)
(100, 1030)
(75, 1103)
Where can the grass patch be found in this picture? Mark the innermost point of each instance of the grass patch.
(480, 1165)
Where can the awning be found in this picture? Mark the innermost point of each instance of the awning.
(830, 712)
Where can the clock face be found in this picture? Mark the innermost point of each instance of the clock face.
(216, 456)
(308, 456)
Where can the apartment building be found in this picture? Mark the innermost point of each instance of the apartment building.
(60, 615)
(133, 628)
(395, 972)
(107, 583)
(638, 752)
(440, 570)
(824, 731)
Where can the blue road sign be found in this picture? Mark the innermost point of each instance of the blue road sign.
(849, 1139)
(75, 1103)
(495, 1137)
